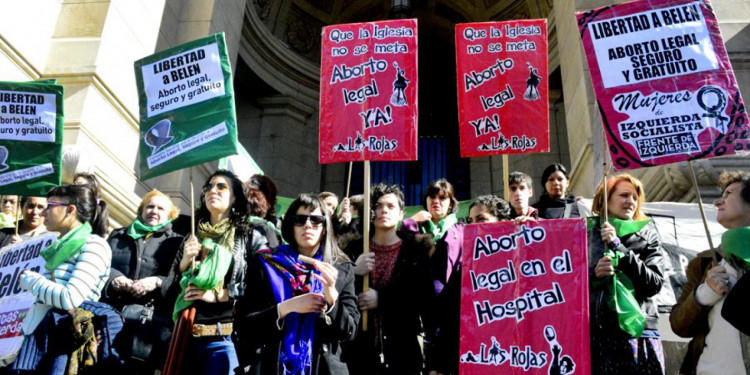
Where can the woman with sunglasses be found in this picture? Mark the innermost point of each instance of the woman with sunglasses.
(77, 265)
(209, 272)
(299, 304)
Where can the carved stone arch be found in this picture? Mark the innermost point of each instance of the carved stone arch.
(275, 63)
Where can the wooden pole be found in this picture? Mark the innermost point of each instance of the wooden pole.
(492, 174)
(192, 215)
(349, 180)
(506, 184)
(605, 172)
(366, 235)
(18, 209)
(700, 206)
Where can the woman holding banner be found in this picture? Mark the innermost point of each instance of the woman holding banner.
(142, 254)
(705, 311)
(626, 269)
(75, 270)
(445, 263)
(299, 304)
(555, 203)
(209, 272)
(399, 295)
(32, 224)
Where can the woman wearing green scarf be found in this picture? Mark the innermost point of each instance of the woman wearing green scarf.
(142, 254)
(626, 269)
(208, 273)
(445, 262)
(705, 311)
(76, 265)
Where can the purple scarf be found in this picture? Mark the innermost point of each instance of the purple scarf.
(289, 278)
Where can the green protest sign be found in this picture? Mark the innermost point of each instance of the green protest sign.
(31, 133)
(186, 101)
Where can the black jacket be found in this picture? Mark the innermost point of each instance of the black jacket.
(138, 259)
(643, 263)
(550, 208)
(257, 337)
(402, 304)
(260, 236)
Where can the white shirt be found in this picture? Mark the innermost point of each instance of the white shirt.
(722, 353)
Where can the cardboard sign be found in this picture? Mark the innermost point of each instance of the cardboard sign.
(524, 300)
(186, 99)
(663, 82)
(503, 105)
(15, 302)
(31, 137)
(368, 92)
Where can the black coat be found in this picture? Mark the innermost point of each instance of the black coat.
(550, 208)
(138, 259)
(402, 306)
(643, 264)
(258, 338)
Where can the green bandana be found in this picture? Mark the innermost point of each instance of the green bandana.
(735, 243)
(66, 247)
(439, 230)
(7, 221)
(138, 228)
(210, 273)
(625, 227)
(621, 299)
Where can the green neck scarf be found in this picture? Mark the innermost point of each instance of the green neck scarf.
(625, 227)
(222, 233)
(138, 228)
(439, 230)
(7, 221)
(209, 274)
(735, 243)
(66, 247)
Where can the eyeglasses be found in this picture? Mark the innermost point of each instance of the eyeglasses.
(300, 220)
(220, 187)
(51, 204)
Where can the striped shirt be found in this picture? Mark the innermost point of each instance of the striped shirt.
(78, 279)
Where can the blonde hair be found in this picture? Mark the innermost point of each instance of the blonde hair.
(597, 206)
(174, 211)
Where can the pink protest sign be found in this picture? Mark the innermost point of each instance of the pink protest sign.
(524, 300)
(368, 92)
(503, 91)
(663, 82)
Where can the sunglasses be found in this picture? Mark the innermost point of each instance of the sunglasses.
(300, 220)
(220, 187)
(51, 204)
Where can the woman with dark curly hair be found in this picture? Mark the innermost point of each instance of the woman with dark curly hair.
(209, 273)
(299, 304)
(488, 209)
(400, 291)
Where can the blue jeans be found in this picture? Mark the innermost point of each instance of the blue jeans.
(210, 355)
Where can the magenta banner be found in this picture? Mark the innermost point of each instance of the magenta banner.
(524, 300)
(663, 82)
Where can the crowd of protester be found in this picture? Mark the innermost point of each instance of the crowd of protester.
(253, 292)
